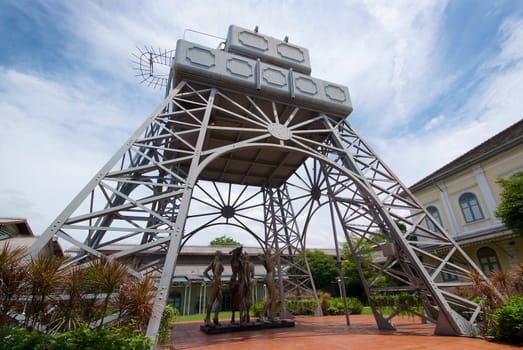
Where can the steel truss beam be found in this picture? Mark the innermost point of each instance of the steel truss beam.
(283, 235)
(209, 157)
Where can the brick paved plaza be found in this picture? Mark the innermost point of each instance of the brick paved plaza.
(330, 332)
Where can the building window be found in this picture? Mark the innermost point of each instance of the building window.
(448, 277)
(433, 211)
(175, 299)
(470, 207)
(488, 260)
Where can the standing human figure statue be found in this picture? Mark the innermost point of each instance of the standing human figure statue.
(269, 262)
(234, 285)
(236, 261)
(216, 267)
(246, 284)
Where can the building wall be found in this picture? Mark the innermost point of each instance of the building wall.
(509, 251)
(480, 180)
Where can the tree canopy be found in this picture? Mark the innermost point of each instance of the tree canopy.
(323, 269)
(510, 208)
(225, 241)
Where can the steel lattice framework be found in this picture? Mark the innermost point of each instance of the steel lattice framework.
(211, 155)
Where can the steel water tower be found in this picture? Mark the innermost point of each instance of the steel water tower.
(246, 137)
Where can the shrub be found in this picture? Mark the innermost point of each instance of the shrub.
(324, 301)
(510, 321)
(257, 309)
(355, 306)
(108, 338)
(168, 316)
(20, 338)
(405, 303)
(301, 307)
(336, 306)
(37, 288)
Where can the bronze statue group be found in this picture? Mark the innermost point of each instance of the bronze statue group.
(241, 284)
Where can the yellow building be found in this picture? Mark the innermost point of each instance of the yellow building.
(463, 195)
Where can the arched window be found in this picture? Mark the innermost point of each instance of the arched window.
(488, 259)
(470, 207)
(433, 211)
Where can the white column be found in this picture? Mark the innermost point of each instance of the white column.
(189, 301)
(200, 299)
(184, 307)
(448, 208)
(204, 298)
(486, 192)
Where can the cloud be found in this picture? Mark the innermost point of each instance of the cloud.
(491, 105)
(434, 122)
(55, 137)
(399, 45)
(511, 33)
(382, 52)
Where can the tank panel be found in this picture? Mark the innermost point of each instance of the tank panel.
(268, 49)
(235, 72)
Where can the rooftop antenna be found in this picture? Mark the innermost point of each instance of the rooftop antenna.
(153, 66)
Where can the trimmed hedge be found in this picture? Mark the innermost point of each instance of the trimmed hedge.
(301, 307)
(406, 303)
(308, 306)
(336, 306)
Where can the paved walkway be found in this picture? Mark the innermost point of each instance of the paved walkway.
(330, 332)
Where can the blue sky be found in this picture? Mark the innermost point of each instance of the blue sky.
(429, 79)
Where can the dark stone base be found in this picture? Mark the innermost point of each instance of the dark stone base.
(251, 326)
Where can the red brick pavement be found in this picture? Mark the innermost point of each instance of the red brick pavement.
(331, 333)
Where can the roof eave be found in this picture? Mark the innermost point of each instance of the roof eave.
(432, 180)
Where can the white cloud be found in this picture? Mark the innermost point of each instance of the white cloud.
(382, 52)
(55, 137)
(402, 77)
(511, 32)
(415, 155)
(495, 104)
(434, 122)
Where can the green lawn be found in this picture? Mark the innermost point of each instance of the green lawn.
(366, 310)
(226, 316)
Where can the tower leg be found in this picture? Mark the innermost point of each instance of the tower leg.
(176, 238)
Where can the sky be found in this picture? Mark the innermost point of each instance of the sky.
(429, 80)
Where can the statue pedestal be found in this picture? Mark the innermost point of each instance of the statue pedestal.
(250, 326)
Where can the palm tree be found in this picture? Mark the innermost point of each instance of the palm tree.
(503, 281)
(44, 283)
(13, 278)
(68, 314)
(136, 301)
(105, 276)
